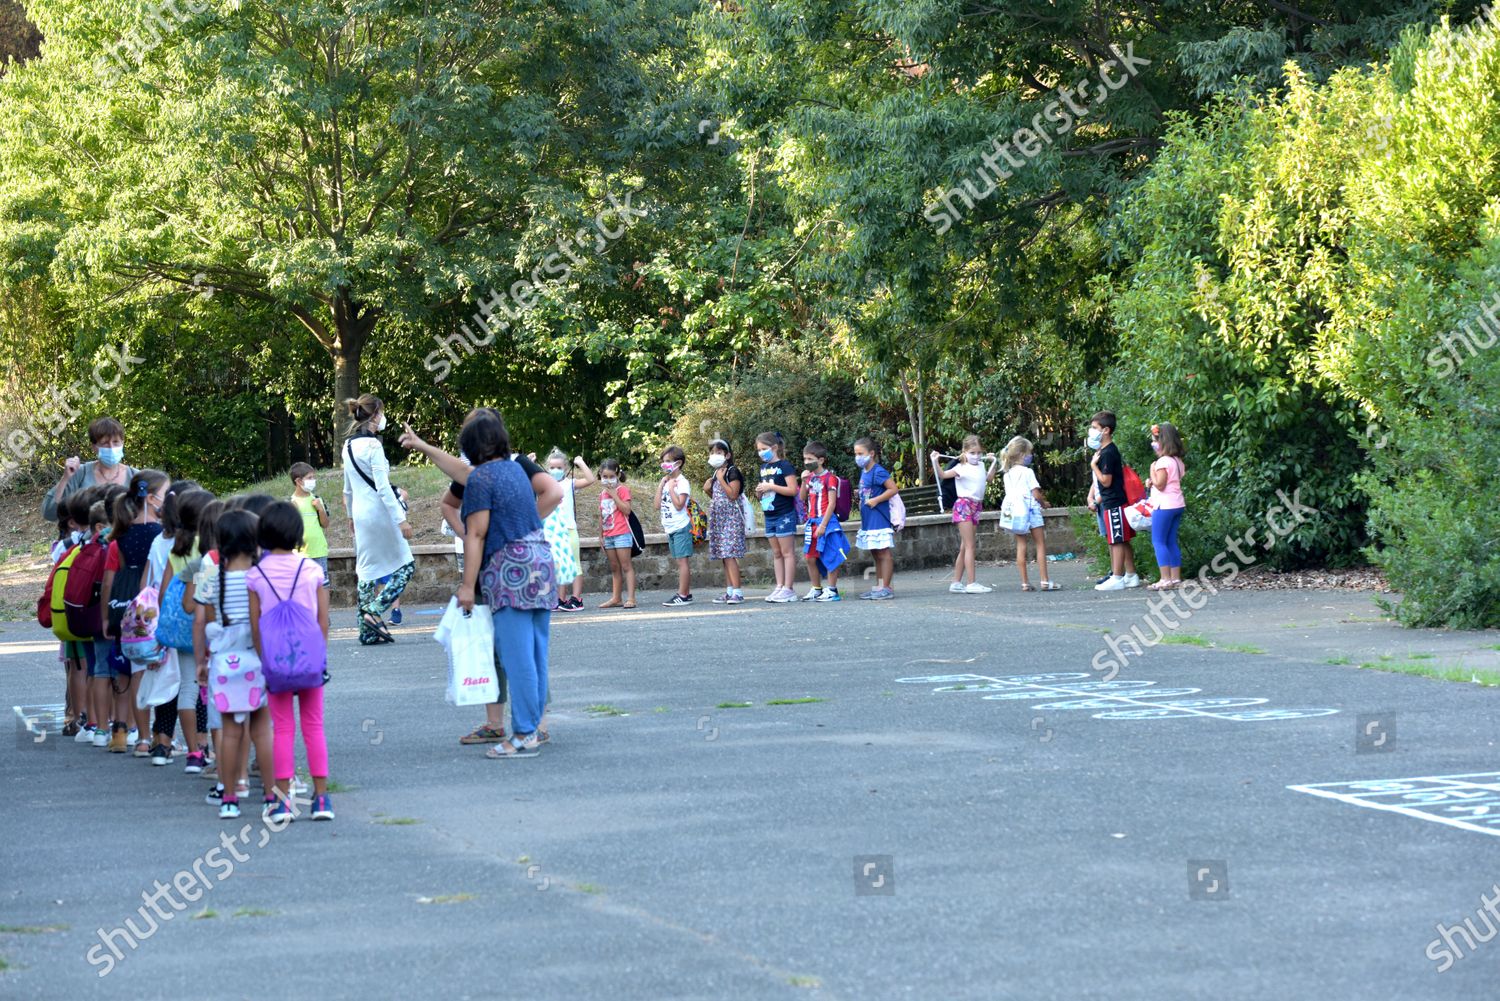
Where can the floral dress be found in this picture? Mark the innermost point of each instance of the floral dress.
(726, 523)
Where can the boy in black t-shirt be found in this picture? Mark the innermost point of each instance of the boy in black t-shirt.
(1109, 480)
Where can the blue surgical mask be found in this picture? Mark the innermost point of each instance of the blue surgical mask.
(112, 455)
(766, 455)
(1026, 459)
(558, 474)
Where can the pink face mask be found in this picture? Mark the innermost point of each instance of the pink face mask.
(669, 467)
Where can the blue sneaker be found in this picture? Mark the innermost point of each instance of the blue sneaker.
(277, 811)
(322, 808)
(882, 594)
(396, 616)
(829, 594)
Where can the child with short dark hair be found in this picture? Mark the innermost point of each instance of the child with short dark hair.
(820, 495)
(672, 496)
(616, 535)
(314, 515)
(1109, 476)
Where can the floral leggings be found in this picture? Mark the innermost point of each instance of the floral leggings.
(377, 604)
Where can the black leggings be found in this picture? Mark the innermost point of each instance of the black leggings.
(164, 718)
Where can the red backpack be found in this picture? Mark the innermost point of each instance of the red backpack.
(1134, 489)
(81, 595)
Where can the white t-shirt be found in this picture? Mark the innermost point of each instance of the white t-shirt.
(1020, 481)
(674, 519)
(971, 480)
(161, 548)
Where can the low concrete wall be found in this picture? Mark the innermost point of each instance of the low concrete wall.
(926, 541)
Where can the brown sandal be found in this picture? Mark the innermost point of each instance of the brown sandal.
(611, 603)
(485, 734)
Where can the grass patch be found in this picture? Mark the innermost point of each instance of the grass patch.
(602, 709)
(446, 898)
(1421, 656)
(661, 709)
(398, 821)
(338, 786)
(1186, 639)
(1241, 648)
(523, 860)
(1493, 646)
(3, 965)
(30, 929)
(801, 981)
(734, 705)
(1338, 661)
(254, 912)
(208, 913)
(1440, 672)
(593, 888)
(794, 702)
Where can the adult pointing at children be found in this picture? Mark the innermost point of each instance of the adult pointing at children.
(108, 439)
(376, 517)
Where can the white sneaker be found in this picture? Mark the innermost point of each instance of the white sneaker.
(955, 588)
(101, 737)
(977, 588)
(299, 788)
(1132, 580)
(85, 735)
(813, 594)
(782, 595)
(1112, 583)
(133, 736)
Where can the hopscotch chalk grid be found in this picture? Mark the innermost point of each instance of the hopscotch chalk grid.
(1128, 699)
(1470, 802)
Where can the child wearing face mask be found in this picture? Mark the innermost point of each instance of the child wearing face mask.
(877, 534)
(672, 496)
(136, 524)
(777, 493)
(314, 515)
(726, 518)
(972, 478)
(820, 494)
(615, 534)
(561, 529)
(1021, 510)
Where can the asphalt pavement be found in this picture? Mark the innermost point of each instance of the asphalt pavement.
(954, 802)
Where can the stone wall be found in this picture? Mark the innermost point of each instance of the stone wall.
(927, 541)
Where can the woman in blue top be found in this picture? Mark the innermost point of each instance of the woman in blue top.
(507, 560)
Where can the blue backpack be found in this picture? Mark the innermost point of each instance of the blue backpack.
(175, 627)
(293, 649)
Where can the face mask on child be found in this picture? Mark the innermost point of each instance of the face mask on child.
(1026, 459)
(717, 461)
(309, 484)
(557, 474)
(1156, 447)
(1096, 438)
(766, 455)
(862, 461)
(813, 464)
(669, 467)
(973, 458)
(609, 483)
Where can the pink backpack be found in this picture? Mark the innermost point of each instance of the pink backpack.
(138, 628)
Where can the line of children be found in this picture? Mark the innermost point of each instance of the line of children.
(232, 561)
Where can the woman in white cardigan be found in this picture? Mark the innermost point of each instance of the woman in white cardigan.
(376, 517)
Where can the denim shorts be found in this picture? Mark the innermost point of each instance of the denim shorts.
(780, 526)
(621, 541)
(681, 543)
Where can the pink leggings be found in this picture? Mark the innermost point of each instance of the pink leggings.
(284, 728)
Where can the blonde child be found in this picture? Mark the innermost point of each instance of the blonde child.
(672, 496)
(972, 478)
(314, 515)
(616, 535)
(777, 492)
(726, 518)
(283, 575)
(877, 534)
(1021, 510)
(561, 528)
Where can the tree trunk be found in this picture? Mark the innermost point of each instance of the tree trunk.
(345, 384)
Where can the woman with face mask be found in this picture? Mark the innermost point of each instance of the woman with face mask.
(376, 517)
(109, 469)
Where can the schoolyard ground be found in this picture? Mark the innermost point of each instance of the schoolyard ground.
(930, 797)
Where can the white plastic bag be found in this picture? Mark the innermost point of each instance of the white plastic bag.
(469, 638)
(159, 686)
(1139, 514)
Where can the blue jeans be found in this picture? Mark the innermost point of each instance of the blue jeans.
(1164, 536)
(521, 647)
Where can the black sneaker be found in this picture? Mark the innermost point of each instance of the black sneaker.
(679, 599)
(161, 754)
